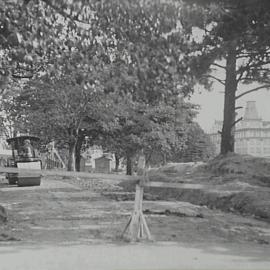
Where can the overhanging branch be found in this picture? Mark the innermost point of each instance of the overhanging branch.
(250, 80)
(25, 72)
(64, 13)
(252, 90)
(215, 78)
(237, 121)
(17, 76)
(217, 65)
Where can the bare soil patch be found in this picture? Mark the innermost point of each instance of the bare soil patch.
(242, 184)
(68, 210)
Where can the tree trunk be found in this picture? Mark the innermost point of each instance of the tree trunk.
(227, 135)
(117, 162)
(77, 159)
(78, 148)
(129, 165)
(164, 159)
(71, 156)
(73, 135)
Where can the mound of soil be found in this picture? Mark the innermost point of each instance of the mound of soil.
(172, 171)
(247, 168)
(246, 203)
(3, 215)
(245, 181)
(3, 220)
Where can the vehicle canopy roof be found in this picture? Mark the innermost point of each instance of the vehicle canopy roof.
(22, 138)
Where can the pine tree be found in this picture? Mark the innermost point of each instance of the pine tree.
(235, 32)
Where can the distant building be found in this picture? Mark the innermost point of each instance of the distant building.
(104, 164)
(252, 134)
(90, 155)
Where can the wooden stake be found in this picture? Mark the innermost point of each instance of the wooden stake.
(137, 227)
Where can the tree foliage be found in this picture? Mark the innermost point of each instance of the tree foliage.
(197, 147)
(110, 70)
(235, 32)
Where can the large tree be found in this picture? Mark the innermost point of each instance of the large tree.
(158, 130)
(235, 41)
(131, 49)
(56, 109)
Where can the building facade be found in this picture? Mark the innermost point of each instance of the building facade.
(252, 134)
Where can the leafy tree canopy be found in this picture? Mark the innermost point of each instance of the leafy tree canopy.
(114, 68)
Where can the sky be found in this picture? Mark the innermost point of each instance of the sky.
(212, 104)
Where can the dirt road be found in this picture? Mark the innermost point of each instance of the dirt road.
(64, 223)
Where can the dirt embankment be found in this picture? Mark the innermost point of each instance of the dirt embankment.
(3, 215)
(3, 220)
(243, 184)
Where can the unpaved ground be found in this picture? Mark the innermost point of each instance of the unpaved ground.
(74, 213)
(239, 184)
(63, 211)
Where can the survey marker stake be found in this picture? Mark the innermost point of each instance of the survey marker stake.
(137, 227)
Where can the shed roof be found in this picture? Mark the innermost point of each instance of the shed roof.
(104, 157)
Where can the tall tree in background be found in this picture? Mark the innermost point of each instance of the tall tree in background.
(198, 146)
(235, 33)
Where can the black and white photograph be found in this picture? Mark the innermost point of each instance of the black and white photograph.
(134, 134)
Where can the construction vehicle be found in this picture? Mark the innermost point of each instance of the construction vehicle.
(25, 155)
